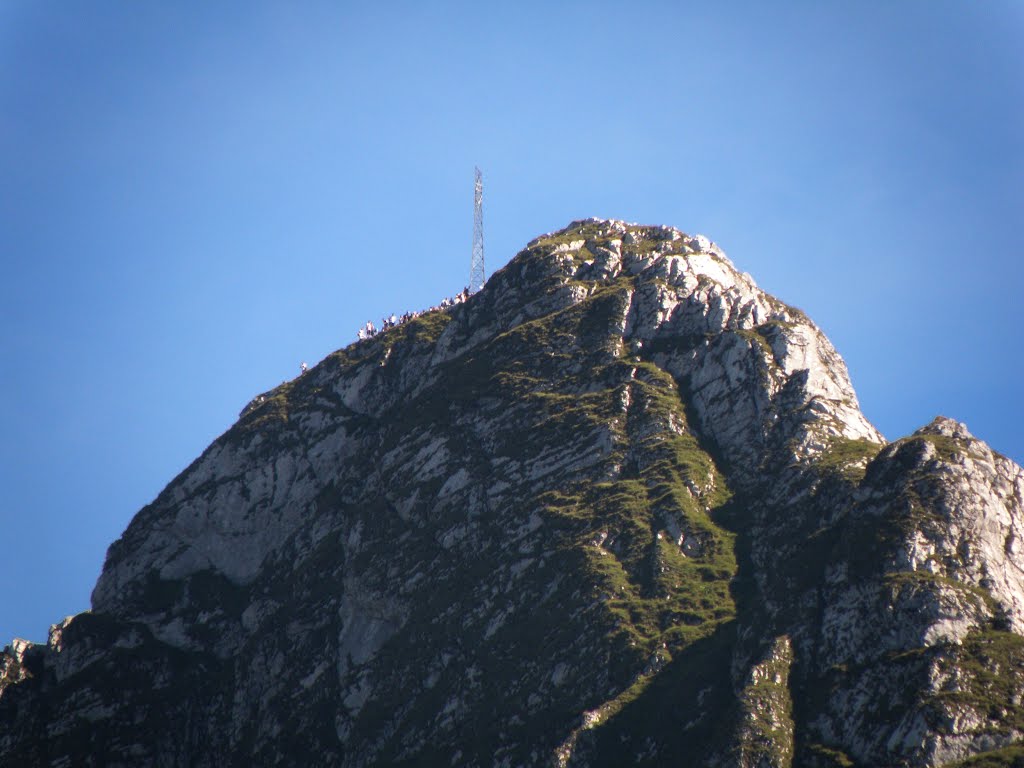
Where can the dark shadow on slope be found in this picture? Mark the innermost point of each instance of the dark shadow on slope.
(678, 718)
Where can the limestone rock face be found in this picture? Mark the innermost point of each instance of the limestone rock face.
(619, 507)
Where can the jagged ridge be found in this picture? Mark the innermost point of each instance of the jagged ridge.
(619, 506)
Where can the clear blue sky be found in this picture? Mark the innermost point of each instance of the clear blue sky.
(198, 196)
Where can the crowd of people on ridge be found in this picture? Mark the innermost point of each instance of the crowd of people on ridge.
(369, 330)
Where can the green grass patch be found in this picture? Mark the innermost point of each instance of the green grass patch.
(848, 457)
(828, 757)
(1007, 757)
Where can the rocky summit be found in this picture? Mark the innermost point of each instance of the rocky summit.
(618, 507)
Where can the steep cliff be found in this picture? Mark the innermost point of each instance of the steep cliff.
(621, 506)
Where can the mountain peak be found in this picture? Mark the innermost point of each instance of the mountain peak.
(618, 506)
(685, 294)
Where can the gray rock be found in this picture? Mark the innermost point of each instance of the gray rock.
(619, 506)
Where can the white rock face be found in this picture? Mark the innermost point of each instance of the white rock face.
(978, 494)
(198, 526)
(754, 346)
(933, 517)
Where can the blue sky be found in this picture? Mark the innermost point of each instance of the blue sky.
(199, 196)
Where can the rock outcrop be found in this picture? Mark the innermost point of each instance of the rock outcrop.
(619, 507)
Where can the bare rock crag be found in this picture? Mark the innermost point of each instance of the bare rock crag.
(619, 507)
